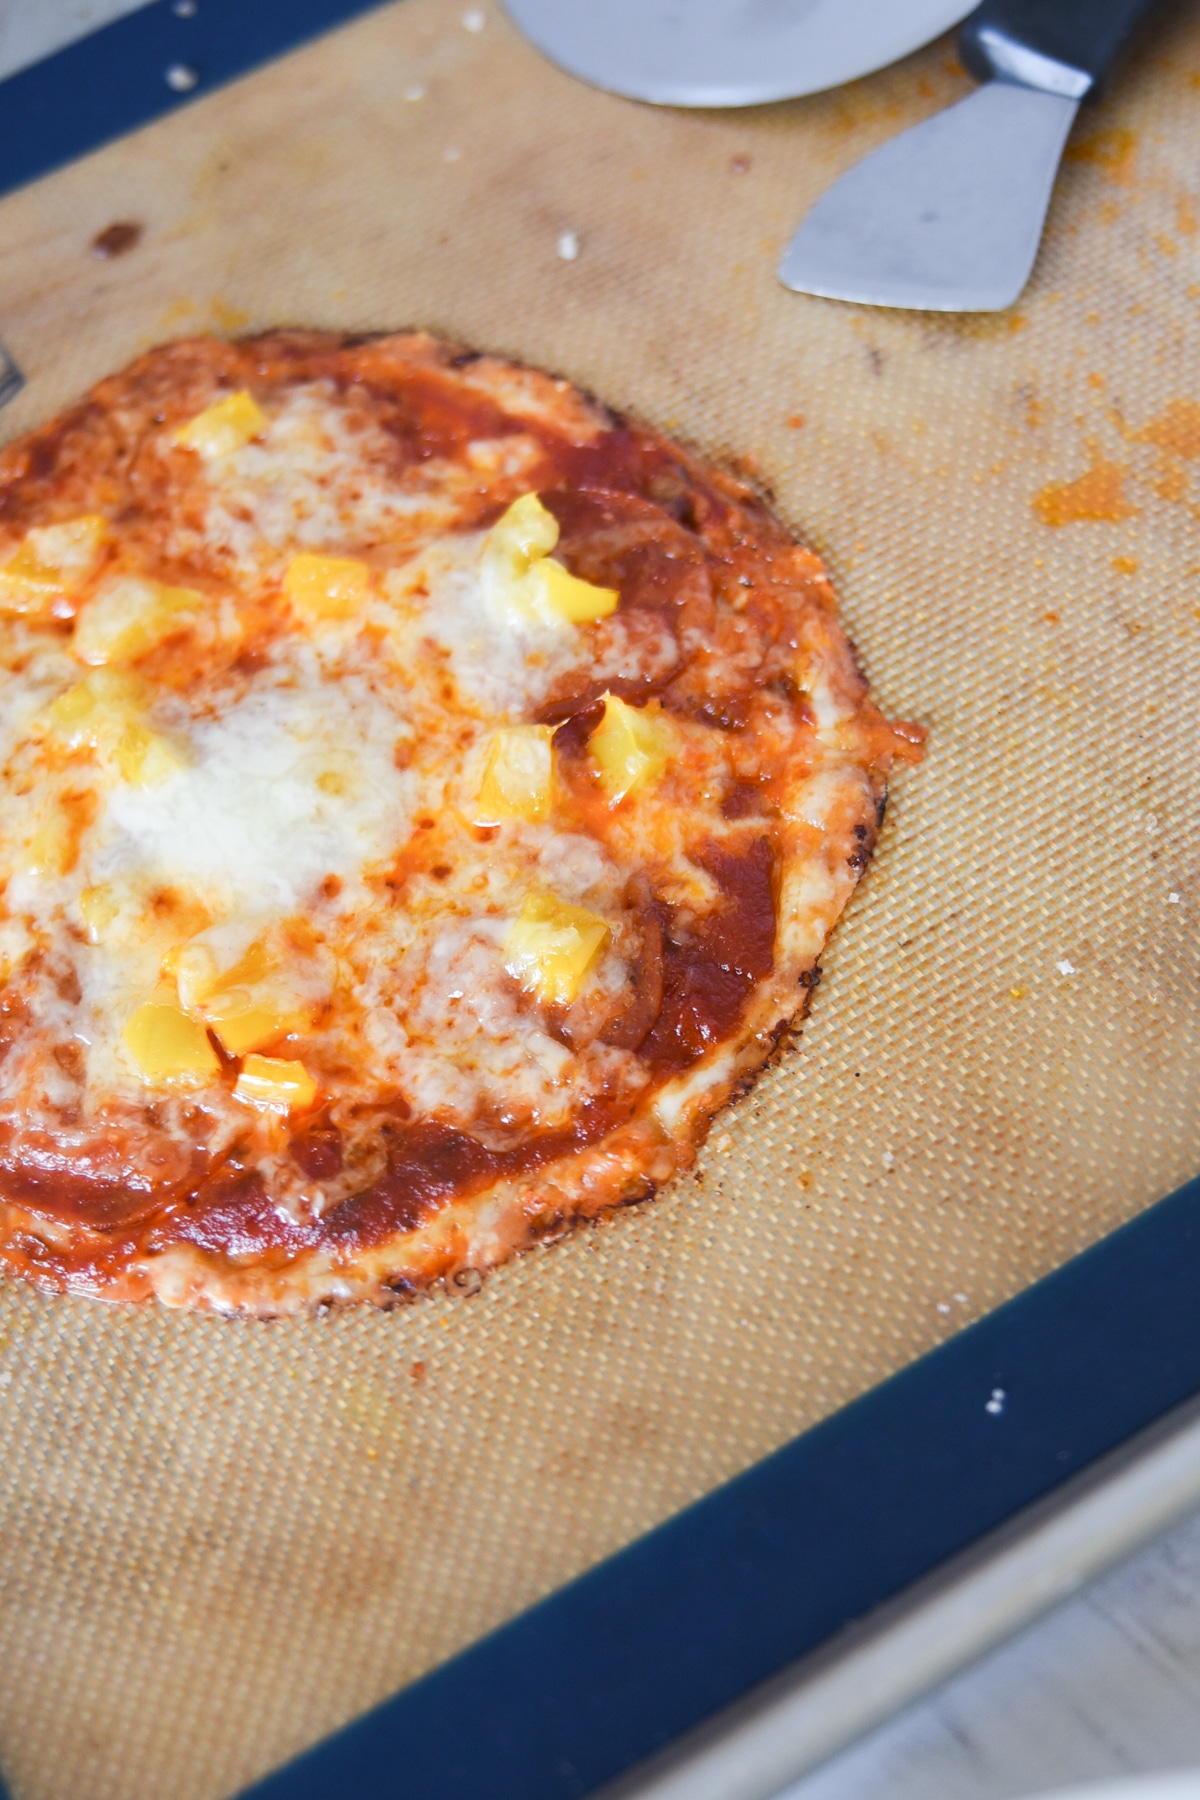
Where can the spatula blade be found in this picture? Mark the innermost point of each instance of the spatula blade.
(729, 52)
(947, 217)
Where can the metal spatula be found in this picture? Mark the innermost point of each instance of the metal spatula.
(728, 52)
(948, 216)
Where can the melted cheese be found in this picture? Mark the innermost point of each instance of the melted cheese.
(270, 813)
(306, 810)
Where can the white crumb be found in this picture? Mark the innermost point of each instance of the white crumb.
(474, 19)
(568, 245)
(942, 1307)
(723, 1143)
(415, 91)
(1174, 899)
(889, 1159)
(1064, 967)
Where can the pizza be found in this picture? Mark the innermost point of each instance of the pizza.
(426, 797)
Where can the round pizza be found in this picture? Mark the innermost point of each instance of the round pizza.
(426, 796)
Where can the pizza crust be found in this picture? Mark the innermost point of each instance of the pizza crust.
(293, 800)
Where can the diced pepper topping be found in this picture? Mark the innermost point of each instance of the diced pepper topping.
(633, 745)
(51, 563)
(552, 946)
(565, 594)
(518, 777)
(128, 618)
(518, 569)
(104, 712)
(274, 1085)
(167, 1046)
(223, 427)
(327, 587)
(98, 908)
(50, 851)
(247, 1005)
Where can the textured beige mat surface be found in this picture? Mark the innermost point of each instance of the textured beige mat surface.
(222, 1540)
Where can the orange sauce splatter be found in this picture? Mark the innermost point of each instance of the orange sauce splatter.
(1186, 222)
(1170, 483)
(1125, 565)
(1112, 151)
(1098, 494)
(1176, 429)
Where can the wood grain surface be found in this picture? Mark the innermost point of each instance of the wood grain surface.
(1105, 1685)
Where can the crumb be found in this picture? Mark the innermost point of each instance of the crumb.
(415, 91)
(723, 1143)
(942, 1307)
(996, 1403)
(796, 421)
(889, 1159)
(1125, 565)
(474, 19)
(568, 245)
(1017, 993)
(451, 155)
(1173, 899)
(1064, 967)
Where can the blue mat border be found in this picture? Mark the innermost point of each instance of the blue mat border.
(614, 1666)
(115, 79)
(692, 1616)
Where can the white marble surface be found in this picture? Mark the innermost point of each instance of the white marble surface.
(1107, 1684)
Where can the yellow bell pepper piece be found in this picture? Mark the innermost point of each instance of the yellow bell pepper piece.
(564, 594)
(327, 587)
(51, 563)
(552, 946)
(167, 1046)
(274, 1085)
(223, 427)
(99, 907)
(518, 777)
(245, 1008)
(50, 851)
(129, 618)
(633, 745)
(516, 560)
(523, 534)
(103, 712)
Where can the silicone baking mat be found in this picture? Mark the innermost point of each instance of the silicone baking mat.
(221, 1539)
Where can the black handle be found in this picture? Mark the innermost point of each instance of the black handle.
(1062, 46)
